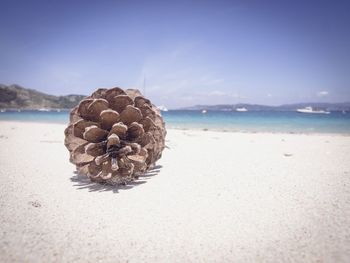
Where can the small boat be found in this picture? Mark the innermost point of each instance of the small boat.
(3, 110)
(43, 109)
(311, 110)
(204, 111)
(162, 108)
(241, 109)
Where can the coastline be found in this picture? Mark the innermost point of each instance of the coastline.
(214, 196)
(259, 132)
(223, 130)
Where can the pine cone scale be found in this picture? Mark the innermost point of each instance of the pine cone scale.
(94, 134)
(119, 129)
(96, 107)
(130, 114)
(120, 102)
(108, 118)
(95, 149)
(79, 156)
(71, 141)
(111, 93)
(80, 126)
(134, 131)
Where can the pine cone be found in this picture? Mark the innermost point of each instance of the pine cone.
(115, 135)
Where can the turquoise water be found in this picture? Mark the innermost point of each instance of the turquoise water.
(267, 121)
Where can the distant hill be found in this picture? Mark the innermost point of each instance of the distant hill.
(344, 106)
(15, 96)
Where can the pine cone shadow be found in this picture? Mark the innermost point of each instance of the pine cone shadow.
(82, 182)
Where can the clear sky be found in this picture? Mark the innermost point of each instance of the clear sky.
(189, 52)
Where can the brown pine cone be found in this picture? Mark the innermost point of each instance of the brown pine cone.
(115, 135)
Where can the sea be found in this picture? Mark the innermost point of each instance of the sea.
(250, 121)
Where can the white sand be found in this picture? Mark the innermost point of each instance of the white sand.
(218, 197)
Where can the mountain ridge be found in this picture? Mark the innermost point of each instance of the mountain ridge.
(16, 97)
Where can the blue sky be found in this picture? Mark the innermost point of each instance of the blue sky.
(189, 52)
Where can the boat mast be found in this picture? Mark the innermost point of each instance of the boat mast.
(144, 86)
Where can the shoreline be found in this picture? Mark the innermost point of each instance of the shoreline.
(206, 129)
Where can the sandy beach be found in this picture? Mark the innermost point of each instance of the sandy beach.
(213, 197)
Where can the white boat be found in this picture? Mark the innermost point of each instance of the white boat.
(43, 109)
(241, 109)
(311, 110)
(162, 108)
(204, 111)
(3, 110)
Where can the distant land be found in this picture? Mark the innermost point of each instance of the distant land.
(17, 97)
(344, 106)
